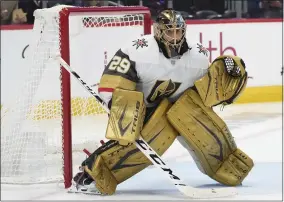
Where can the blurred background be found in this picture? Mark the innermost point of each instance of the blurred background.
(21, 11)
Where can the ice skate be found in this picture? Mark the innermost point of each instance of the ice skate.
(83, 183)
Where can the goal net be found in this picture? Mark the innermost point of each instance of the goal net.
(44, 132)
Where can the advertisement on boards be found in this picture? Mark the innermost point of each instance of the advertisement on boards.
(262, 54)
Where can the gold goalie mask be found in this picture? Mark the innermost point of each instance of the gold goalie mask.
(169, 31)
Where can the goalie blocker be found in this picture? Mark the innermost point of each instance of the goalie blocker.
(191, 119)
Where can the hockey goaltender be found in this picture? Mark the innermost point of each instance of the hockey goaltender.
(162, 87)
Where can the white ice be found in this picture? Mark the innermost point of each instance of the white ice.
(257, 129)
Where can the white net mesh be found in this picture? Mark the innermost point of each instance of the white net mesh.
(31, 128)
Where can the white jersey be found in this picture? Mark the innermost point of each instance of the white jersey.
(157, 76)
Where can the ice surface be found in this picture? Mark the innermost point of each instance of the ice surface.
(257, 129)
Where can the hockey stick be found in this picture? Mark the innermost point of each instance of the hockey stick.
(155, 158)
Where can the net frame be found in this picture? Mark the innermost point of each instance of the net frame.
(57, 21)
(65, 76)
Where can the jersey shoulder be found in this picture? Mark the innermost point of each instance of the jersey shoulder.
(198, 50)
(143, 49)
(199, 55)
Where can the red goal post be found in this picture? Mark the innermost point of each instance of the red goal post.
(66, 96)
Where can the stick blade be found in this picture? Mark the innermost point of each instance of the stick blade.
(199, 193)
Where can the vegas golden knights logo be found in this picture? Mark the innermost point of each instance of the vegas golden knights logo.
(162, 89)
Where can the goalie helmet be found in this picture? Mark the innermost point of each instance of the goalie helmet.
(169, 32)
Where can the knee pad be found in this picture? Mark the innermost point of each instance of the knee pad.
(209, 140)
(119, 163)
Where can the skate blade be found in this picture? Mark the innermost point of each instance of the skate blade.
(84, 190)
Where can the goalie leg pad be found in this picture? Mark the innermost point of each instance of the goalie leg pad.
(122, 162)
(105, 181)
(210, 141)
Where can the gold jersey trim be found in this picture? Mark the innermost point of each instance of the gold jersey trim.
(114, 81)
